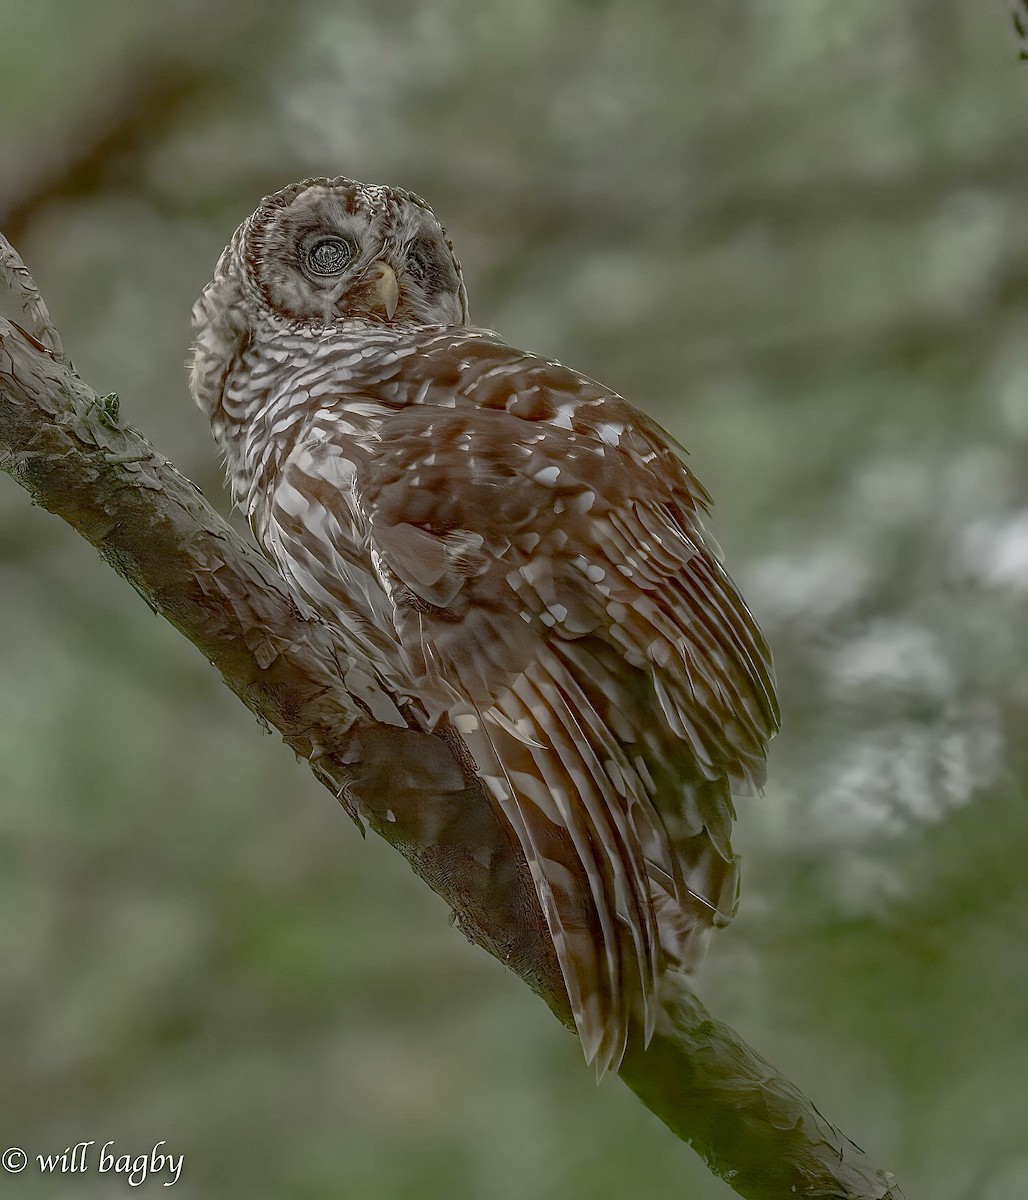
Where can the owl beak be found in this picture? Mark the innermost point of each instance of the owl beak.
(387, 290)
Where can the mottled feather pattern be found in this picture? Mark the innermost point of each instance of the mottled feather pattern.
(520, 552)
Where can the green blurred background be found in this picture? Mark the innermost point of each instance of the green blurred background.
(797, 232)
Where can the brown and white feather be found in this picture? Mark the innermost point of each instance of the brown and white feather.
(518, 549)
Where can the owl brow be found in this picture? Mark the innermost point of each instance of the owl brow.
(349, 226)
(308, 228)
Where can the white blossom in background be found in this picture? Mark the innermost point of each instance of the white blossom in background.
(994, 551)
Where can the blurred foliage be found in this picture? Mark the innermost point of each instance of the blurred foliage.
(796, 232)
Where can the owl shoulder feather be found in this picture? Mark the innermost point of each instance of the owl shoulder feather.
(222, 331)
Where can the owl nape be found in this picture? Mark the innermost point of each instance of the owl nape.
(512, 549)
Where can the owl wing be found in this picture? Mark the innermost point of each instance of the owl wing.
(559, 601)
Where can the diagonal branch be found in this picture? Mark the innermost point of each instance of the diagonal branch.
(67, 447)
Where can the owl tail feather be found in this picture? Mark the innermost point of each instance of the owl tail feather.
(599, 855)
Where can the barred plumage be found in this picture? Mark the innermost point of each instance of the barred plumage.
(514, 547)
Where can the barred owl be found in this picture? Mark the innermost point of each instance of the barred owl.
(514, 548)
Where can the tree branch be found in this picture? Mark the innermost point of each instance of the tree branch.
(67, 447)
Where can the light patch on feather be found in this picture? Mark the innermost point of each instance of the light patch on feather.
(610, 432)
(659, 651)
(644, 773)
(562, 419)
(521, 729)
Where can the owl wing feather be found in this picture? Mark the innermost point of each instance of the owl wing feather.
(559, 601)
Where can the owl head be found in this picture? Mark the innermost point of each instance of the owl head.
(327, 249)
(323, 251)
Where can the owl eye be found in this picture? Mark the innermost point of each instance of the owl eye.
(417, 259)
(423, 263)
(329, 256)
